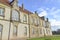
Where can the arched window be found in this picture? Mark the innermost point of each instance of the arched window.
(1, 28)
(25, 18)
(1, 11)
(15, 15)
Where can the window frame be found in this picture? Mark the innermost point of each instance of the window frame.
(33, 31)
(3, 11)
(25, 18)
(2, 30)
(25, 32)
(18, 15)
(15, 34)
(32, 20)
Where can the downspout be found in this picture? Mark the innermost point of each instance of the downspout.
(9, 30)
(9, 25)
(29, 25)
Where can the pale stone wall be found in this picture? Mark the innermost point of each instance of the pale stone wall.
(5, 31)
(21, 30)
(21, 25)
(6, 14)
(22, 17)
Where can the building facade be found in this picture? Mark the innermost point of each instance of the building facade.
(18, 23)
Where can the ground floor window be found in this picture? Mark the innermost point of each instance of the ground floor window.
(40, 31)
(15, 30)
(25, 31)
(1, 28)
(47, 31)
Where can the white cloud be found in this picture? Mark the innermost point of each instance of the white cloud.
(54, 22)
(54, 12)
(43, 13)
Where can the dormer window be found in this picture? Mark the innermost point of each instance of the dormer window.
(15, 15)
(1, 12)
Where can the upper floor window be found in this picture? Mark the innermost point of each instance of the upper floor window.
(15, 15)
(1, 11)
(32, 20)
(43, 23)
(36, 21)
(25, 18)
(15, 30)
(1, 27)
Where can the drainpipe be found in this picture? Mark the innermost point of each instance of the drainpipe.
(10, 25)
(29, 25)
(9, 30)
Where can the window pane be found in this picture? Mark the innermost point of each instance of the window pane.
(2, 11)
(25, 18)
(40, 31)
(25, 30)
(15, 15)
(32, 20)
(15, 30)
(33, 31)
(1, 30)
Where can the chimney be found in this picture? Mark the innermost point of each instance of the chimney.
(22, 6)
(43, 17)
(47, 19)
(36, 13)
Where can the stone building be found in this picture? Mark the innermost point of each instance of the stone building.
(18, 23)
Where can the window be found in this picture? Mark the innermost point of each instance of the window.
(32, 20)
(37, 22)
(1, 27)
(40, 31)
(1, 11)
(44, 24)
(25, 18)
(25, 31)
(15, 30)
(46, 31)
(15, 15)
(33, 31)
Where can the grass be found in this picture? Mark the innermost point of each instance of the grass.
(47, 38)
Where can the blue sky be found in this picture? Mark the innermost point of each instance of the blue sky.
(48, 8)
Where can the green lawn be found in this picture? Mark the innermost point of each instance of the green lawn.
(47, 38)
